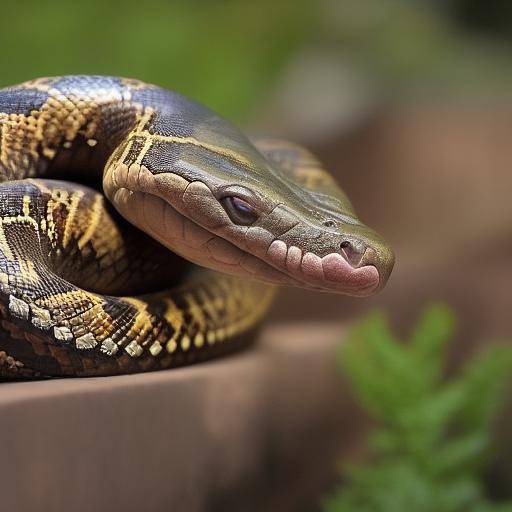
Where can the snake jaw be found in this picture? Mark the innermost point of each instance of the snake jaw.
(329, 273)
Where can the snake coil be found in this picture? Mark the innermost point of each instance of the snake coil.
(84, 159)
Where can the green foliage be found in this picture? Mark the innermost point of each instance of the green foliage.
(433, 436)
(224, 53)
(414, 46)
(229, 54)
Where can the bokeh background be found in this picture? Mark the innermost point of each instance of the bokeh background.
(408, 103)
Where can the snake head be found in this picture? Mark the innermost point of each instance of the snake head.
(311, 239)
(263, 210)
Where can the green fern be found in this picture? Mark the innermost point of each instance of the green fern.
(434, 435)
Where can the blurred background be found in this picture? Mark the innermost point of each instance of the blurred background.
(408, 103)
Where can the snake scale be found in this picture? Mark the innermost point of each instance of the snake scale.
(221, 219)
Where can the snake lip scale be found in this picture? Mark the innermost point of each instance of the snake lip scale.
(175, 261)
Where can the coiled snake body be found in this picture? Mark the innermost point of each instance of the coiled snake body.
(83, 292)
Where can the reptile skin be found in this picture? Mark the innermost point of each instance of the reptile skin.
(84, 159)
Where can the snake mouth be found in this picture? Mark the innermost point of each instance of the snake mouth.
(186, 217)
(331, 272)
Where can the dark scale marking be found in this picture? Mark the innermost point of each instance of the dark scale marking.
(136, 147)
(21, 101)
(175, 116)
(76, 84)
(163, 156)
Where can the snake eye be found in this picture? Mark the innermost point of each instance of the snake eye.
(239, 211)
(329, 223)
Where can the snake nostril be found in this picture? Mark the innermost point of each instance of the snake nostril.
(353, 252)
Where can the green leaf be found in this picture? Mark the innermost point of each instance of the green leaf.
(432, 436)
(382, 372)
(429, 339)
(462, 454)
(484, 380)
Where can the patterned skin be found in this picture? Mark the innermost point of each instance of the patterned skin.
(83, 292)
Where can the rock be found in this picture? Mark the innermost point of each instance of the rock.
(260, 430)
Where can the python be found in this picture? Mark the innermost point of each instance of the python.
(140, 231)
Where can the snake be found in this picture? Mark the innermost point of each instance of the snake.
(141, 231)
